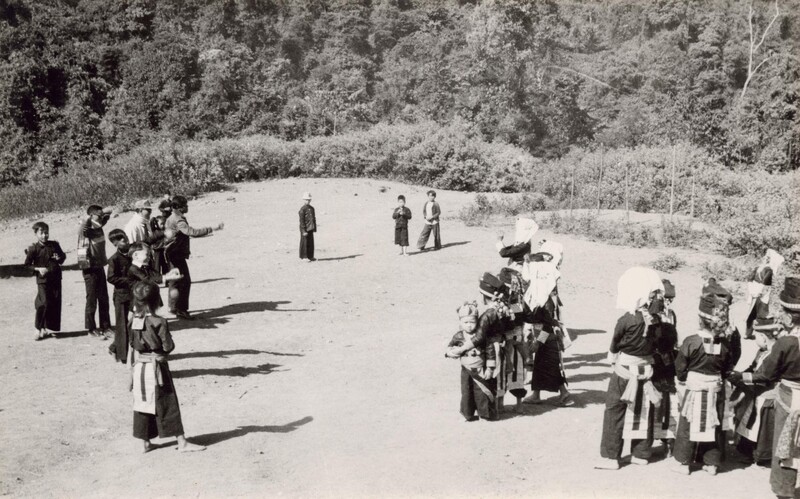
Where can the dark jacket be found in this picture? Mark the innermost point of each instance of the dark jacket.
(48, 255)
(154, 338)
(436, 211)
(693, 357)
(632, 336)
(308, 218)
(95, 239)
(401, 217)
(177, 246)
(783, 362)
(118, 266)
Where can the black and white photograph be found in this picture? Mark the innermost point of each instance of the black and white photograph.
(400, 248)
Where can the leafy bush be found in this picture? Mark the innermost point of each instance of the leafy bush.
(612, 232)
(681, 234)
(728, 270)
(668, 262)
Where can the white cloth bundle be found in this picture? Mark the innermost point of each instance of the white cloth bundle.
(543, 277)
(555, 249)
(634, 288)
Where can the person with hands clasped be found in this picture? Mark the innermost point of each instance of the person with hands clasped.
(46, 257)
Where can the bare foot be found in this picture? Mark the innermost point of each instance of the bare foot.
(147, 447)
(190, 447)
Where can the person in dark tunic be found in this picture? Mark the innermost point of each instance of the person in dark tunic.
(308, 226)
(666, 349)
(704, 361)
(783, 365)
(546, 346)
(755, 402)
(631, 395)
(401, 216)
(118, 277)
(46, 257)
(156, 412)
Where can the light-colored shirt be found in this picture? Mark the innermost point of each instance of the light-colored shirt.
(429, 214)
(137, 229)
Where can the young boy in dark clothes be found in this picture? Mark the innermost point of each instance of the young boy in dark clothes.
(156, 412)
(401, 217)
(92, 237)
(118, 277)
(46, 257)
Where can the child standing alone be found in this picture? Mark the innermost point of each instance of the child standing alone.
(156, 412)
(431, 211)
(478, 386)
(46, 257)
(401, 217)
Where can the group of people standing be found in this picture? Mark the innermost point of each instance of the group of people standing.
(688, 395)
(518, 339)
(150, 251)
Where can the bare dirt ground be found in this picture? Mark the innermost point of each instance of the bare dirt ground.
(323, 379)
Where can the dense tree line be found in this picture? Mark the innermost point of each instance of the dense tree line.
(82, 80)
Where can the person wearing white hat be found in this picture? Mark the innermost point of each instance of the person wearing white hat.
(631, 395)
(138, 227)
(308, 226)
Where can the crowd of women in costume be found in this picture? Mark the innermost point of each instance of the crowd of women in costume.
(685, 394)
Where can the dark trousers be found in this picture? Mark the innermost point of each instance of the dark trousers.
(307, 245)
(121, 339)
(426, 233)
(166, 422)
(687, 452)
(614, 424)
(473, 399)
(781, 479)
(160, 263)
(96, 298)
(179, 290)
(48, 306)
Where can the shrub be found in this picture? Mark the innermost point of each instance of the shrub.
(681, 234)
(728, 270)
(668, 262)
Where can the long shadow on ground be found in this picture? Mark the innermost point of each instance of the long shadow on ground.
(573, 362)
(581, 332)
(582, 398)
(444, 246)
(213, 318)
(337, 258)
(223, 354)
(215, 279)
(237, 371)
(215, 438)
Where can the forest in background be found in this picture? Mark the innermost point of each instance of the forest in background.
(682, 105)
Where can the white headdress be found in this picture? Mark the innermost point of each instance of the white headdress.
(526, 228)
(634, 288)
